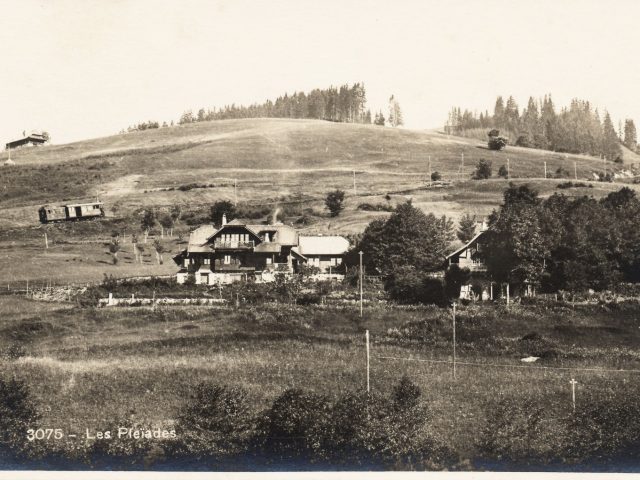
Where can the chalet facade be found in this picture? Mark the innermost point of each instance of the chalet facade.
(470, 256)
(31, 140)
(239, 251)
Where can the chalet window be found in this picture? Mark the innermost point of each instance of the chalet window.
(478, 247)
(227, 259)
(269, 261)
(186, 262)
(207, 261)
(334, 261)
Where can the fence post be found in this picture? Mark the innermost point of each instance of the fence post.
(454, 340)
(367, 339)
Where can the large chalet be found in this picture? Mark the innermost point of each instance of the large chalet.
(241, 251)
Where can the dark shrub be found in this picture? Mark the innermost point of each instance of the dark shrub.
(408, 285)
(295, 428)
(216, 421)
(17, 414)
(497, 143)
(454, 278)
(515, 434)
(605, 427)
(406, 394)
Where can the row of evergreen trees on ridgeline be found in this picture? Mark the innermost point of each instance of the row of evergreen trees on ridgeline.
(574, 129)
(345, 104)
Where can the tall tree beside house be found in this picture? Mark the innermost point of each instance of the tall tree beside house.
(466, 228)
(515, 247)
(334, 202)
(630, 135)
(221, 208)
(408, 238)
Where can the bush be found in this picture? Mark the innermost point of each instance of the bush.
(216, 421)
(334, 201)
(408, 285)
(523, 141)
(605, 429)
(378, 207)
(514, 433)
(497, 143)
(436, 176)
(17, 414)
(483, 170)
(454, 278)
(295, 428)
(503, 172)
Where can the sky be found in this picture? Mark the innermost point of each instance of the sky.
(84, 69)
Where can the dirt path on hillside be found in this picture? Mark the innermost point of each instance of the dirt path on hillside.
(121, 186)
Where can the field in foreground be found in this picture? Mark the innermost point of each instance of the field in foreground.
(91, 368)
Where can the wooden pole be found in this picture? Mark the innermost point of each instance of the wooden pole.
(508, 168)
(46, 241)
(354, 183)
(235, 191)
(360, 253)
(368, 383)
(507, 294)
(575, 170)
(545, 169)
(573, 393)
(454, 340)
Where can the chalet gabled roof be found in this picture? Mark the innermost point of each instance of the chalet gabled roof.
(466, 245)
(323, 245)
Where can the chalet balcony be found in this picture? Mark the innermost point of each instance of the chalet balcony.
(233, 245)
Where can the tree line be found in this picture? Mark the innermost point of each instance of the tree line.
(344, 104)
(565, 243)
(577, 128)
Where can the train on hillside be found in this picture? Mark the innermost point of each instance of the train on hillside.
(71, 212)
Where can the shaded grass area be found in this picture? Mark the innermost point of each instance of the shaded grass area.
(89, 368)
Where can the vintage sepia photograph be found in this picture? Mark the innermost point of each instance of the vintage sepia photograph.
(320, 236)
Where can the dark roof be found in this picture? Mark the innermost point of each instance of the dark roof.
(466, 245)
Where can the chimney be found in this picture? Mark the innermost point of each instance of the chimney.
(224, 219)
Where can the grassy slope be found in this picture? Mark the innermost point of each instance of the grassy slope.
(274, 161)
(95, 368)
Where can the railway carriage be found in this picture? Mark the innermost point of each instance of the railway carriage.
(70, 212)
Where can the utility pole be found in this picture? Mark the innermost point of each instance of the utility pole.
(46, 241)
(235, 191)
(368, 383)
(573, 393)
(508, 168)
(454, 340)
(354, 183)
(507, 294)
(545, 170)
(575, 170)
(360, 253)
(429, 170)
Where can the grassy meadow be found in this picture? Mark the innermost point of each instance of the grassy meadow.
(92, 368)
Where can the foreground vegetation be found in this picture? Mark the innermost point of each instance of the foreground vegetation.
(230, 380)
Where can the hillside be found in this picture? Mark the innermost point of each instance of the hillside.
(270, 158)
(274, 162)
